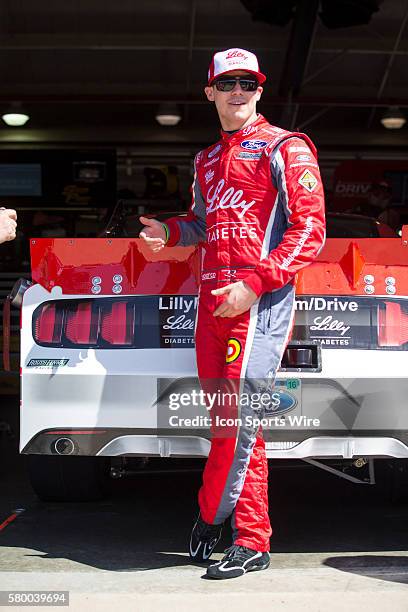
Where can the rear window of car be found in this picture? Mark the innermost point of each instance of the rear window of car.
(354, 227)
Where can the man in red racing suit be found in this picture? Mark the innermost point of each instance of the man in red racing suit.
(258, 204)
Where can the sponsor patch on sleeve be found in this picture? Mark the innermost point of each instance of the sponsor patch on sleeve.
(299, 150)
(308, 180)
(209, 175)
(214, 151)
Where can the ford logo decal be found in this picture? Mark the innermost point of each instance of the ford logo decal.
(287, 402)
(253, 145)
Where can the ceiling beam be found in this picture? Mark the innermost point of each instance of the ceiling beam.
(312, 118)
(148, 137)
(297, 58)
(329, 64)
(151, 42)
(299, 47)
(137, 100)
(193, 13)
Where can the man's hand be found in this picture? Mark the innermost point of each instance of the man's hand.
(240, 298)
(8, 224)
(153, 234)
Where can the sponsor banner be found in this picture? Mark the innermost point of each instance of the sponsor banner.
(176, 320)
(336, 322)
(355, 322)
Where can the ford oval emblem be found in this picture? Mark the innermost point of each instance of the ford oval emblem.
(287, 402)
(253, 145)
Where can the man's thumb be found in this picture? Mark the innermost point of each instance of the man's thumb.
(148, 222)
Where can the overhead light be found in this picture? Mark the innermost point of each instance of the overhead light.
(15, 117)
(168, 114)
(393, 118)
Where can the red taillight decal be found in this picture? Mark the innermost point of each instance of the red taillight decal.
(82, 324)
(48, 325)
(86, 432)
(117, 323)
(392, 325)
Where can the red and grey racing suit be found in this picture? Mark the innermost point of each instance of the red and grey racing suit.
(258, 203)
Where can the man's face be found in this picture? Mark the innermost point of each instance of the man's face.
(236, 108)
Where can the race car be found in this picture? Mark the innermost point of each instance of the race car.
(107, 355)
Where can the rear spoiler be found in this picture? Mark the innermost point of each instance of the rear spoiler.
(358, 266)
(344, 266)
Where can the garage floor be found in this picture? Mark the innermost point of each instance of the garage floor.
(336, 545)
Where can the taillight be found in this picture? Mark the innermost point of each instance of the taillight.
(48, 324)
(82, 323)
(117, 323)
(392, 325)
(101, 323)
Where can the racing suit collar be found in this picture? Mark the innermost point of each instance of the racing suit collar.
(225, 136)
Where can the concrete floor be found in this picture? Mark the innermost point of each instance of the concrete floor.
(335, 546)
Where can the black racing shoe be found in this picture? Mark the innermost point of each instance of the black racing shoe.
(203, 540)
(238, 561)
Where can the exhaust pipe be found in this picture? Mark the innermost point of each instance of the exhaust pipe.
(63, 446)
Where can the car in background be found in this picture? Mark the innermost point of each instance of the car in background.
(346, 225)
(107, 339)
(124, 223)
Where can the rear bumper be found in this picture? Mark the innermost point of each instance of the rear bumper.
(128, 444)
(324, 447)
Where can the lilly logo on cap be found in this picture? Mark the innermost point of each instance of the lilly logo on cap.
(235, 53)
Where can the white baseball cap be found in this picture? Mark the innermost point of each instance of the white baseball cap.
(234, 59)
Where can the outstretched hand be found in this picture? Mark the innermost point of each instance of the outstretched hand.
(153, 234)
(239, 299)
(8, 224)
